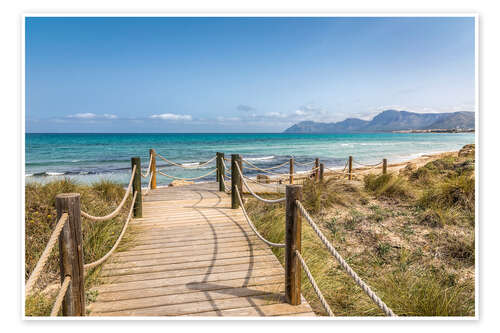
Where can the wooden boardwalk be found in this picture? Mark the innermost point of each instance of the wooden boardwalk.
(193, 256)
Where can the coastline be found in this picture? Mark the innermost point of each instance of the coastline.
(415, 162)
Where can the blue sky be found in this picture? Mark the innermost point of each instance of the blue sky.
(152, 74)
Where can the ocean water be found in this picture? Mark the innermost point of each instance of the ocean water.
(91, 157)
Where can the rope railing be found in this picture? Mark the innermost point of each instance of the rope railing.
(144, 175)
(115, 246)
(149, 186)
(367, 165)
(254, 167)
(253, 193)
(45, 254)
(60, 296)
(117, 209)
(180, 178)
(250, 223)
(185, 166)
(314, 284)
(303, 164)
(344, 264)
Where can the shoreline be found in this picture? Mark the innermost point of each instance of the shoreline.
(419, 161)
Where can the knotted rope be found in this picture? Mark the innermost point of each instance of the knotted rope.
(60, 296)
(120, 206)
(253, 193)
(251, 224)
(314, 285)
(106, 256)
(344, 264)
(45, 254)
(180, 178)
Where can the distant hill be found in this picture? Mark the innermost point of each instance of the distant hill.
(390, 120)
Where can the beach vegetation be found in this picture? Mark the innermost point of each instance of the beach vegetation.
(98, 236)
(411, 239)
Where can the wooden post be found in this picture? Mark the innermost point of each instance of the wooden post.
(384, 166)
(293, 226)
(316, 166)
(136, 186)
(321, 172)
(71, 254)
(291, 170)
(350, 167)
(152, 155)
(220, 171)
(236, 181)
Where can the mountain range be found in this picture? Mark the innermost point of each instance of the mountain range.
(390, 120)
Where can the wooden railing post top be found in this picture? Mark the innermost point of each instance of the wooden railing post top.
(67, 195)
(236, 156)
(293, 187)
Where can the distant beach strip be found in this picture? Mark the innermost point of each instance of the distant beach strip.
(91, 157)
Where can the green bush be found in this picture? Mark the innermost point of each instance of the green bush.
(388, 185)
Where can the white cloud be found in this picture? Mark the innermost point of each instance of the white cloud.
(228, 119)
(90, 115)
(87, 115)
(172, 116)
(276, 115)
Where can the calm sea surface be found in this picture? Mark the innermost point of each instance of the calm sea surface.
(91, 157)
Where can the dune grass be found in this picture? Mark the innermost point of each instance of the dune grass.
(98, 237)
(392, 230)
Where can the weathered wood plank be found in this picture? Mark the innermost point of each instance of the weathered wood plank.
(191, 254)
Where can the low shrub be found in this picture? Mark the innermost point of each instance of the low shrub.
(388, 185)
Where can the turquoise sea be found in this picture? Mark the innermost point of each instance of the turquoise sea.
(91, 157)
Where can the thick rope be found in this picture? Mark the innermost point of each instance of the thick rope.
(253, 193)
(149, 185)
(303, 164)
(344, 264)
(254, 167)
(251, 224)
(120, 206)
(106, 256)
(275, 185)
(195, 178)
(149, 167)
(45, 254)
(368, 165)
(314, 285)
(60, 296)
(184, 166)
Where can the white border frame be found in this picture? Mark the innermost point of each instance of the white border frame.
(214, 14)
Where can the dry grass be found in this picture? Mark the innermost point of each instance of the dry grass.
(98, 237)
(416, 253)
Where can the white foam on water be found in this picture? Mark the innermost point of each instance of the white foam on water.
(55, 173)
(259, 158)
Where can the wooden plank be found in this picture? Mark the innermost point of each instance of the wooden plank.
(196, 307)
(116, 270)
(190, 254)
(189, 272)
(188, 279)
(202, 249)
(126, 262)
(280, 309)
(200, 296)
(189, 288)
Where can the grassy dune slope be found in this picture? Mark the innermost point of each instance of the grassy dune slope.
(98, 237)
(410, 236)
